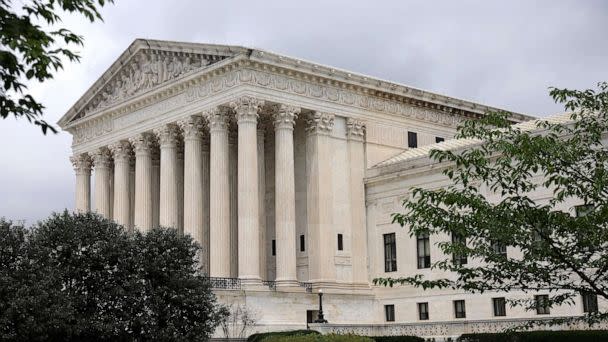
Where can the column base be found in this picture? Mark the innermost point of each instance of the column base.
(251, 283)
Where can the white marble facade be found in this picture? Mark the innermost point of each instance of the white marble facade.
(286, 173)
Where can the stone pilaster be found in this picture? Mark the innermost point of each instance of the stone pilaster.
(102, 162)
(219, 207)
(82, 167)
(355, 133)
(285, 208)
(321, 235)
(192, 130)
(246, 109)
(168, 137)
(143, 144)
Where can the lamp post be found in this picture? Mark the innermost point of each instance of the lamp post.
(320, 318)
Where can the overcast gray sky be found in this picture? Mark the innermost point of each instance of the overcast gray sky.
(500, 53)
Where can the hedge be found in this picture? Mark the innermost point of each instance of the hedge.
(539, 336)
(261, 336)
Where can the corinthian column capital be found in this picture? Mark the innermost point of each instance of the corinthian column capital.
(355, 129)
(143, 143)
(82, 163)
(286, 116)
(121, 150)
(192, 127)
(168, 135)
(217, 118)
(319, 123)
(246, 108)
(102, 158)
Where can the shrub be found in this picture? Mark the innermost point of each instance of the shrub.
(79, 277)
(397, 339)
(539, 336)
(261, 336)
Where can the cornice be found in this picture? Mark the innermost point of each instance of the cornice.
(274, 63)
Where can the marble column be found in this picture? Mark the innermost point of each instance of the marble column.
(143, 145)
(193, 133)
(102, 162)
(285, 207)
(206, 200)
(319, 200)
(262, 201)
(180, 187)
(82, 168)
(121, 151)
(233, 162)
(355, 133)
(219, 207)
(168, 136)
(246, 109)
(155, 186)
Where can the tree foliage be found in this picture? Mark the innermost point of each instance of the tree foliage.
(491, 201)
(82, 277)
(32, 48)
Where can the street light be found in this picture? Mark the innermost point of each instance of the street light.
(320, 318)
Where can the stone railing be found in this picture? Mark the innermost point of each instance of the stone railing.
(224, 283)
(272, 285)
(445, 329)
(306, 286)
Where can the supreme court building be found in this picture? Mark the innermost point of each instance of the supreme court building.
(286, 172)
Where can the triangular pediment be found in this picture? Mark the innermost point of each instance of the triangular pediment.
(146, 65)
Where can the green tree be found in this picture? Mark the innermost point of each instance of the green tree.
(30, 51)
(561, 253)
(80, 277)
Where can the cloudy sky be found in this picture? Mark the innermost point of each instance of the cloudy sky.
(500, 53)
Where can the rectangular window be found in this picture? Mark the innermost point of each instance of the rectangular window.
(459, 258)
(589, 302)
(274, 247)
(340, 242)
(459, 309)
(389, 312)
(500, 307)
(423, 246)
(500, 248)
(302, 245)
(583, 210)
(423, 311)
(542, 304)
(390, 253)
(412, 139)
(439, 139)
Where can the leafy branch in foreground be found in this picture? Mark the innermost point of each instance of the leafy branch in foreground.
(557, 249)
(30, 52)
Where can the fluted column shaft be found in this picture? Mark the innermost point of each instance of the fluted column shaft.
(122, 204)
(356, 157)
(155, 187)
(219, 207)
(319, 198)
(285, 209)
(246, 109)
(206, 199)
(82, 168)
(143, 145)
(169, 195)
(103, 170)
(192, 129)
(262, 202)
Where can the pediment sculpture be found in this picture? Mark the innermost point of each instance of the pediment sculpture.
(146, 70)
